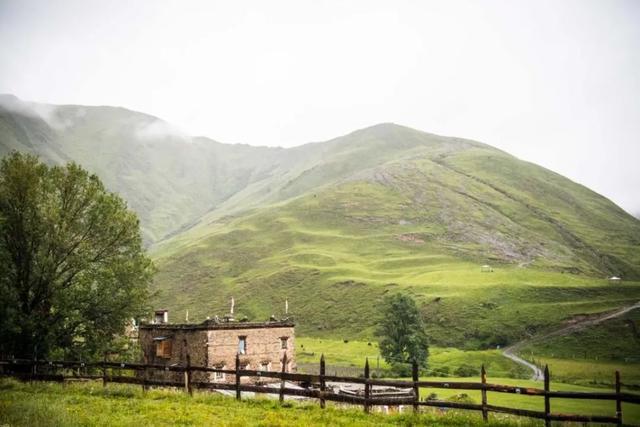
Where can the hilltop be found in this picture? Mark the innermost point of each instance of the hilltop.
(335, 225)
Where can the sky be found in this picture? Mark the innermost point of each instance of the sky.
(552, 82)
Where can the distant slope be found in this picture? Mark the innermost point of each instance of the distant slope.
(168, 178)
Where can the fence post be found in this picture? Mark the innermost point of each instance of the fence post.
(322, 383)
(187, 376)
(547, 403)
(483, 379)
(104, 370)
(35, 365)
(618, 400)
(145, 374)
(238, 395)
(367, 386)
(416, 389)
(284, 369)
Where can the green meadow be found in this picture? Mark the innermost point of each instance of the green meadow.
(565, 374)
(45, 404)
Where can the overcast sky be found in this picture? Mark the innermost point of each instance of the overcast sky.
(554, 82)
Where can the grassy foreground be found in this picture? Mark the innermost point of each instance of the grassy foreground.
(47, 404)
(566, 375)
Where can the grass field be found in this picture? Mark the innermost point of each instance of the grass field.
(45, 404)
(441, 360)
(591, 372)
(48, 404)
(566, 374)
(353, 353)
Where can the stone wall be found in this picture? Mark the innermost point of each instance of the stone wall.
(216, 347)
(183, 342)
(263, 350)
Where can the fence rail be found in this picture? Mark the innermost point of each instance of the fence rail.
(32, 370)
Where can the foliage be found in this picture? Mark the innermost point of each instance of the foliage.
(72, 265)
(465, 370)
(402, 334)
(461, 398)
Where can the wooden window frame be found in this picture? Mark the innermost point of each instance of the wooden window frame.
(164, 348)
(242, 338)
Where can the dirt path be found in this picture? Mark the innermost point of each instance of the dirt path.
(538, 375)
(578, 325)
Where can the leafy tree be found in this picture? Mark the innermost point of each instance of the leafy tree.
(72, 265)
(402, 333)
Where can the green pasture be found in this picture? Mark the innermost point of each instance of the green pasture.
(89, 404)
(441, 360)
(335, 279)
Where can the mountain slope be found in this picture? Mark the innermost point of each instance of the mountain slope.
(423, 222)
(334, 226)
(168, 178)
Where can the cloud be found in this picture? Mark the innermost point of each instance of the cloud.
(158, 129)
(49, 113)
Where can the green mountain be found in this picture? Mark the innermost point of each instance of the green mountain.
(334, 226)
(168, 178)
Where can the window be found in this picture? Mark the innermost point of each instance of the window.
(242, 345)
(219, 376)
(161, 316)
(264, 366)
(163, 348)
(284, 343)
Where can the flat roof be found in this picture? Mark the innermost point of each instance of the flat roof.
(214, 325)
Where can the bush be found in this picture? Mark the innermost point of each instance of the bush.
(461, 398)
(442, 371)
(465, 370)
(401, 369)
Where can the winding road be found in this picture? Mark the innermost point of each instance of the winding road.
(578, 325)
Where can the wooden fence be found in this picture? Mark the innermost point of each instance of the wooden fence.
(317, 386)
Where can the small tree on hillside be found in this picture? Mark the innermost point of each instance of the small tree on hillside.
(402, 333)
(72, 266)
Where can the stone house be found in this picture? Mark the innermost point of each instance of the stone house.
(214, 343)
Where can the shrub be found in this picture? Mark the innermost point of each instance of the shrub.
(465, 370)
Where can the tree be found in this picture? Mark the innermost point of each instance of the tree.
(72, 266)
(402, 333)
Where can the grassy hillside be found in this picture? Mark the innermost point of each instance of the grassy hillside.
(334, 226)
(422, 225)
(614, 340)
(591, 355)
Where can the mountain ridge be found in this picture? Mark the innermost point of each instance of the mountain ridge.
(335, 225)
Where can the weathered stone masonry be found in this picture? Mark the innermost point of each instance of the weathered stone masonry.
(213, 343)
